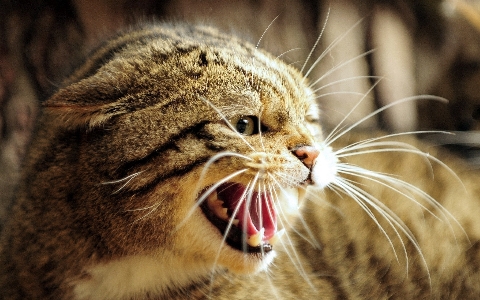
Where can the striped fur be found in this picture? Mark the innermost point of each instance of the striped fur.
(123, 155)
(145, 104)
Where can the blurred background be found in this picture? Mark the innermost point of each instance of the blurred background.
(371, 53)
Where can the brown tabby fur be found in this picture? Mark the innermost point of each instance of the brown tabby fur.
(142, 105)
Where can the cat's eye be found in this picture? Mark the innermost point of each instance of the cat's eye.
(246, 125)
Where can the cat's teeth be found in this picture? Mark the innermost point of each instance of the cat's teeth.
(256, 239)
(235, 222)
(274, 239)
(215, 205)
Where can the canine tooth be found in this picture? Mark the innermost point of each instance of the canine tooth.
(212, 197)
(274, 239)
(256, 239)
(235, 222)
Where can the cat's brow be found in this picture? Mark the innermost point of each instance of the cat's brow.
(242, 104)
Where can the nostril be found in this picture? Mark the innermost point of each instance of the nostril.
(307, 154)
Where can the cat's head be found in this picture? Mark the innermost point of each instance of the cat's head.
(192, 146)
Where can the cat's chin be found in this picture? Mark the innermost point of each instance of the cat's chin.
(247, 219)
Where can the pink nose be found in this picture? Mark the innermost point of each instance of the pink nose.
(307, 154)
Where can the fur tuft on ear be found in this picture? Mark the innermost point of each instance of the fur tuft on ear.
(87, 104)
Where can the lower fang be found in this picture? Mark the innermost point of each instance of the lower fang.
(274, 239)
(256, 239)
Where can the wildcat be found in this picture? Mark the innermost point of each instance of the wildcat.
(180, 162)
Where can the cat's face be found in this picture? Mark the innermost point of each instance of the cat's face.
(200, 153)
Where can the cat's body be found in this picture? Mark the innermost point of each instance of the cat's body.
(119, 197)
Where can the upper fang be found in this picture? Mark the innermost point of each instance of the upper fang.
(215, 205)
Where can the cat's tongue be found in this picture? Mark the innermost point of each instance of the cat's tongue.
(254, 211)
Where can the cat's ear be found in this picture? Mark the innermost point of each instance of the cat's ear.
(85, 104)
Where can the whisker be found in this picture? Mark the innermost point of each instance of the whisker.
(392, 219)
(405, 149)
(207, 193)
(260, 132)
(152, 208)
(390, 182)
(387, 181)
(265, 31)
(362, 198)
(341, 65)
(331, 139)
(340, 129)
(288, 51)
(222, 116)
(353, 146)
(216, 157)
(292, 254)
(315, 45)
(229, 226)
(127, 179)
(260, 208)
(338, 93)
(345, 80)
(312, 240)
(268, 190)
(330, 47)
(248, 203)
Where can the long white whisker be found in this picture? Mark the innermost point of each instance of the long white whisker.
(352, 147)
(222, 116)
(208, 192)
(393, 220)
(339, 93)
(265, 31)
(288, 51)
(345, 80)
(216, 157)
(229, 226)
(361, 197)
(377, 111)
(335, 131)
(406, 150)
(330, 47)
(315, 45)
(127, 179)
(248, 203)
(152, 208)
(260, 133)
(295, 259)
(389, 182)
(312, 240)
(341, 65)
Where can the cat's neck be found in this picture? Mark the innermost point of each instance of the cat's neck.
(131, 276)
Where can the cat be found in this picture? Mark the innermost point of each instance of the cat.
(178, 162)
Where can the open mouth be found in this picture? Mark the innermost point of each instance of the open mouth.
(248, 219)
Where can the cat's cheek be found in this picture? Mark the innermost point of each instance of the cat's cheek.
(324, 170)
